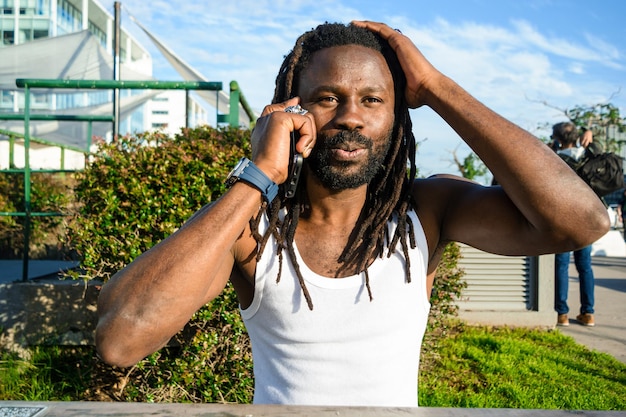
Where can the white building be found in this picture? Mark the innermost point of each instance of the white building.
(168, 111)
(74, 39)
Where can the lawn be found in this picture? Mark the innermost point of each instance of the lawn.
(520, 368)
(471, 367)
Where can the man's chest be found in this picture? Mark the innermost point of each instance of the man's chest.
(321, 249)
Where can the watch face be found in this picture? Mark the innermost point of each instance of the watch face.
(236, 172)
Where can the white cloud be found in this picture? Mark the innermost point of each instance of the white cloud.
(577, 68)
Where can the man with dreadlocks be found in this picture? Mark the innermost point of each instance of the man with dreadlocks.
(334, 283)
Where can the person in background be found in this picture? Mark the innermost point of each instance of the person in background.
(566, 140)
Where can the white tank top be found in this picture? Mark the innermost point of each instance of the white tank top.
(347, 351)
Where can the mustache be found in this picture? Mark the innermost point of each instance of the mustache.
(345, 137)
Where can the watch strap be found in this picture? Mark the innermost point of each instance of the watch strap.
(251, 174)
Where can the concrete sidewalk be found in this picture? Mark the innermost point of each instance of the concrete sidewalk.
(609, 333)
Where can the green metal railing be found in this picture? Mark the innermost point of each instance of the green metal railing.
(232, 118)
(13, 136)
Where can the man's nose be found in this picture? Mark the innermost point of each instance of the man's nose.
(349, 116)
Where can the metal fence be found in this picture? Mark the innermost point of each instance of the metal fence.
(232, 118)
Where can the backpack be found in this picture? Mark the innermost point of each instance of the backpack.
(602, 171)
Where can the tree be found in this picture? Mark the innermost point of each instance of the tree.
(603, 119)
(471, 167)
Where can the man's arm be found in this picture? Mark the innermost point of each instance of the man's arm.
(542, 207)
(142, 306)
(586, 138)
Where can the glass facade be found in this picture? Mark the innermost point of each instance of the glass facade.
(34, 20)
(69, 18)
(98, 33)
(23, 21)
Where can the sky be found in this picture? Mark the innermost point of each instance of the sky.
(527, 60)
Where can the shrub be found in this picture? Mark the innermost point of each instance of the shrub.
(143, 188)
(446, 290)
(138, 192)
(50, 193)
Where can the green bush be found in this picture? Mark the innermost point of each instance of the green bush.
(142, 188)
(137, 193)
(446, 290)
(50, 193)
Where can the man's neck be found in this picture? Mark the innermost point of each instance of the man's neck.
(332, 206)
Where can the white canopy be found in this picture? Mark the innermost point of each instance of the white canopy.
(80, 56)
(220, 101)
(77, 56)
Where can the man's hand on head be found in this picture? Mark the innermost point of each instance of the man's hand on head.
(421, 75)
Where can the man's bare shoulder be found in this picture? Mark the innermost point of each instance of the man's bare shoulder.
(448, 177)
(439, 186)
(438, 197)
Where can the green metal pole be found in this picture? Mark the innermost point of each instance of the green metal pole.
(234, 104)
(246, 106)
(27, 208)
(217, 107)
(187, 108)
(89, 139)
(11, 151)
(123, 84)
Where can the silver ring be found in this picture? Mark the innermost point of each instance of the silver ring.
(296, 109)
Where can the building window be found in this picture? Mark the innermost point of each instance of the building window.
(69, 17)
(38, 34)
(159, 125)
(161, 112)
(42, 7)
(7, 6)
(8, 37)
(26, 35)
(98, 33)
(6, 99)
(40, 101)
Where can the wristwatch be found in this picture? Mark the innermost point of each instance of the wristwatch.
(246, 171)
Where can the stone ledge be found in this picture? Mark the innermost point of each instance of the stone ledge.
(48, 312)
(94, 409)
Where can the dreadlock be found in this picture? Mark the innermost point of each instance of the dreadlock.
(388, 194)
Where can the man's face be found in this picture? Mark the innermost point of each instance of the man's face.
(349, 90)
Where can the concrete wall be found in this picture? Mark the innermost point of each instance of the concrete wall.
(541, 315)
(53, 311)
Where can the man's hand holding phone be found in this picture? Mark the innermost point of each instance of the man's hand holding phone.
(296, 159)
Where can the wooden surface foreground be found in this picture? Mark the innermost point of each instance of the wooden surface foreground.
(93, 409)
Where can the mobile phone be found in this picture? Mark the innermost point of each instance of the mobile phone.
(295, 167)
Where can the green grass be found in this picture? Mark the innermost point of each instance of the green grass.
(50, 374)
(520, 368)
(471, 367)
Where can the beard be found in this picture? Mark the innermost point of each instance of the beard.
(341, 175)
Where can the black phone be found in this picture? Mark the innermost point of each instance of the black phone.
(295, 167)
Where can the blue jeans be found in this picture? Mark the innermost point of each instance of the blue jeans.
(582, 260)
